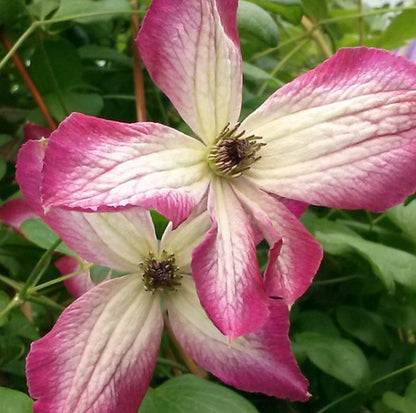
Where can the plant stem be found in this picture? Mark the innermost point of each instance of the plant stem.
(187, 359)
(354, 392)
(282, 63)
(172, 363)
(138, 69)
(15, 285)
(38, 23)
(316, 34)
(360, 24)
(21, 68)
(15, 302)
(59, 279)
(39, 269)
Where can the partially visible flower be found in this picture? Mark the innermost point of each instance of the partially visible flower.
(342, 136)
(408, 51)
(100, 355)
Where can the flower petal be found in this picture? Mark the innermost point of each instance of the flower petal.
(182, 241)
(225, 267)
(100, 355)
(257, 362)
(115, 239)
(16, 211)
(294, 255)
(342, 135)
(192, 52)
(79, 284)
(33, 131)
(95, 164)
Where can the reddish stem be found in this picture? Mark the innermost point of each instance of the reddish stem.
(28, 81)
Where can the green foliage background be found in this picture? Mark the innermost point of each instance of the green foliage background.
(353, 332)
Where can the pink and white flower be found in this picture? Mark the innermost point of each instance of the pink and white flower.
(342, 136)
(100, 355)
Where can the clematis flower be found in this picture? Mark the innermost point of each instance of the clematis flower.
(100, 355)
(341, 136)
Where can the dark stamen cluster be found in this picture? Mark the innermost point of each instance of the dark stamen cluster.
(232, 153)
(160, 273)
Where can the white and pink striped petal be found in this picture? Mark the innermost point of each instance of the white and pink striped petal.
(106, 164)
(100, 355)
(343, 135)
(294, 256)
(257, 362)
(225, 267)
(192, 52)
(117, 240)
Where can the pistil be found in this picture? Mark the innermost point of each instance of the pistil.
(233, 153)
(160, 273)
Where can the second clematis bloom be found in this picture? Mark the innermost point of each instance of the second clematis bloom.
(100, 355)
(342, 135)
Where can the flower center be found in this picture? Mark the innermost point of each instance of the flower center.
(232, 153)
(160, 273)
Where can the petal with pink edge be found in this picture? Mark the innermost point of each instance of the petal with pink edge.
(118, 240)
(257, 362)
(294, 255)
(342, 135)
(79, 284)
(182, 241)
(192, 52)
(16, 211)
(95, 164)
(35, 132)
(225, 267)
(100, 355)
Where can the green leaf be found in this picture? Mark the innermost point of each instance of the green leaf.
(389, 264)
(4, 139)
(191, 394)
(255, 73)
(95, 52)
(4, 300)
(401, 28)
(43, 8)
(364, 325)
(36, 231)
(290, 10)
(19, 325)
(13, 401)
(405, 218)
(10, 11)
(406, 404)
(98, 273)
(317, 9)
(56, 64)
(254, 20)
(61, 107)
(3, 168)
(70, 8)
(317, 322)
(337, 357)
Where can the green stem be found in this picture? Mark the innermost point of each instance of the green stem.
(173, 364)
(282, 63)
(280, 45)
(18, 43)
(45, 301)
(360, 24)
(335, 280)
(38, 23)
(39, 269)
(59, 279)
(354, 392)
(366, 14)
(15, 302)
(15, 285)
